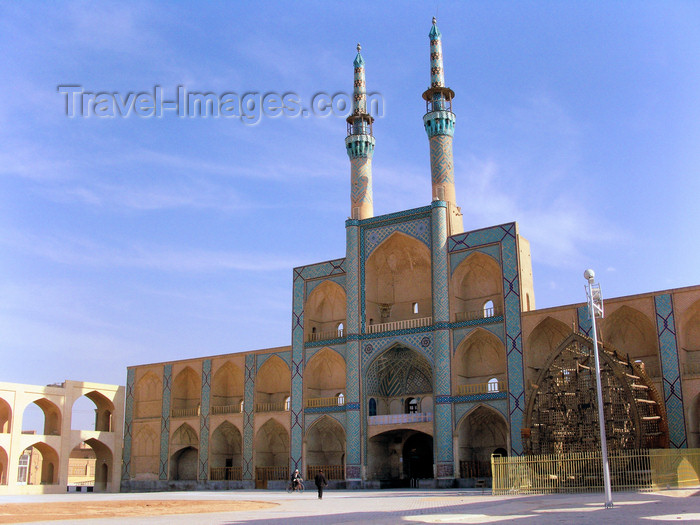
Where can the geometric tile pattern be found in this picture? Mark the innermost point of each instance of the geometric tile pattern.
(668, 350)
(493, 251)
(361, 181)
(505, 234)
(441, 165)
(441, 304)
(351, 278)
(165, 422)
(285, 356)
(204, 421)
(418, 229)
(584, 320)
(248, 416)
(128, 424)
(421, 342)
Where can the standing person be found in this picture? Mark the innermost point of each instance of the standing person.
(321, 482)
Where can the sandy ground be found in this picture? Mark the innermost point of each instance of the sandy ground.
(28, 512)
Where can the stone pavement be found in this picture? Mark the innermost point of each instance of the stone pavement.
(407, 507)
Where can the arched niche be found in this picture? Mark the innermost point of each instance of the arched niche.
(3, 466)
(690, 339)
(324, 312)
(480, 433)
(91, 461)
(325, 443)
(225, 452)
(51, 418)
(476, 281)
(398, 281)
(99, 413)
(633, 334)
(227, 387)
(481, 356)
(541, 342)
(400, 454)
(5, 418)
(184, 455)
(145, 453)
(324, 375)
(272, 445)
(148, 396)
(272, 385)
(186, 393)
(43, 464)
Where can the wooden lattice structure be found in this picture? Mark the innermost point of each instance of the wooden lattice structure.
(562, 410)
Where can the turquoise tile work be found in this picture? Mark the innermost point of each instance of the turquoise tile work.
(165, 422)
(668, 351)
(128, 424)
(204, 421)
(248, 417)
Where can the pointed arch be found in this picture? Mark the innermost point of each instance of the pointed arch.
(99, 420)
(690, 339)
(186, 392)
(397, 275)
(324, 310)
(148, 396)
(480, 432)
(5, 418)
(225, 452)
(272, 385)
(324, 375)
(91, 461)
(3, 466)
(184, 453)
(48, 464)
(325, 443)
(52, 417)
(398, 371)
(632, 333)
(145, 453)
(480, 357)
(227, 387)
(477, 280)
(272, 445)
(542, 341)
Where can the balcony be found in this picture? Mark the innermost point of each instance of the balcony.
(326, 401)
(399, 325)
(482, 388)
(324, 336)
(226, 409)
(397, 419)
(185, 412)
(226, 473)
(272, 407)
(473, 315)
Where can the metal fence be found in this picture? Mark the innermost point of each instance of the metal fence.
(583, 471)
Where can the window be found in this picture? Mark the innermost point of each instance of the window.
(341, 399)
(415, 308)
(411, 405)
(340, 329)
(287, 403)
(493, 385)
(488, 309)
(372, 407)
(23, 469)
(241, 406)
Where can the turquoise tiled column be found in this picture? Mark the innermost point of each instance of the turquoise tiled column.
(128, 424)
(204, 421)
(248, 418)
(165, 422)
(296, 408)
(353, 454)
(442, 420)
(668, 351)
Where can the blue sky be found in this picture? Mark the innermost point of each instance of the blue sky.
(133, 240)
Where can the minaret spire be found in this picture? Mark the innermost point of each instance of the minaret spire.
(360, 146)
(439, 123)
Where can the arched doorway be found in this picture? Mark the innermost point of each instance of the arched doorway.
(418, 456)
(38, 465)
(184, 457)
(325, 448)
(225, 453)
(481, 433)
(396, 457)
(271, 453)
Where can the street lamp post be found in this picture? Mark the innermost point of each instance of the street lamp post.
(595, 309)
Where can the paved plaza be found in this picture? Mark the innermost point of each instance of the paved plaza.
(406, 507)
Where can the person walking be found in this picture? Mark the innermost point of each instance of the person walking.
(321, 482)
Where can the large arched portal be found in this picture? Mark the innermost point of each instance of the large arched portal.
(397, 456)
(186, 393)
(271, 453)
(325, 448)
(184, 446)
(481, 433)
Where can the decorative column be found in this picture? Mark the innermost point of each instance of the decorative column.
(248, 418)
(439, 122)
(204, 421)
(354, 408)
(360, 146)
(442, 419)
(296, 410)
(165, 422)
(128, 424)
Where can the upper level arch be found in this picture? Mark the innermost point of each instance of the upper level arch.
(541, 342)
(477, 280)
(398, 281)
(324, 375)
(186, 393)
(103, 412)
(148, 396)
(690, 339)
(324, 312)
(227, 387)
(5, 417)
(632, 333)
(52, 418)
(480, 357)
(272, 385)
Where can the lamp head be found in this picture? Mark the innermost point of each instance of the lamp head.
(589, 275)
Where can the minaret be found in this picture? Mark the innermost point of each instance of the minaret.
(360, 146)
(439, 123)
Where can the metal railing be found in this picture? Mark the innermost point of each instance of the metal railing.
(271, 473)
(484, 313)
(329, 471)
(272, 407)
(582, 471)
(392, 419)
(325, 401)
(322, 336)
(226, 473)
(399, 325)
(481, 388)
(185, 412)
(226, 409)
